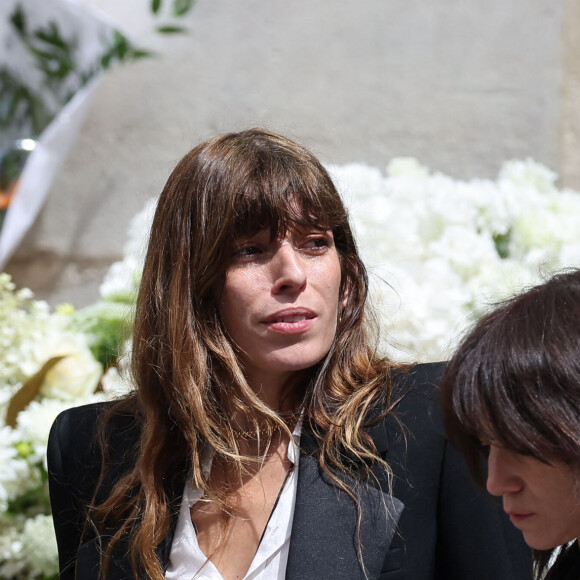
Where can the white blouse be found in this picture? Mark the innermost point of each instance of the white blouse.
(188, 562)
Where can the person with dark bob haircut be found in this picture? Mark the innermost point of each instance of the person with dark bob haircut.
(512, 404)
(266, 438)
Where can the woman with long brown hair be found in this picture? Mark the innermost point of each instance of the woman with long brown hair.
(266, 438)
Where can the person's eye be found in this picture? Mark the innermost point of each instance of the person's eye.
(317, 243)
(485, 446)
(247, 251)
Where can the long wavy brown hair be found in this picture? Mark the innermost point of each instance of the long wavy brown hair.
(188, 376)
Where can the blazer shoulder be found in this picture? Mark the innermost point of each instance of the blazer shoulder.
(73, 432)
(421, 377)
(76, 428)
(74, 452)
(416, 388)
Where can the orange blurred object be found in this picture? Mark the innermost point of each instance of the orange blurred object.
(6, 196)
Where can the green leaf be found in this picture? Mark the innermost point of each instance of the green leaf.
(106, 61)
(28, 391)
(155, 6)
(32, 501)
(182, 7)
(502, 244)
(140, 53)
(18, 20)
(171, 29)
(52, 36)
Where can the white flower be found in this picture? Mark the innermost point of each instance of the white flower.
(440, 251)
(528, 175)
(77, 375)
(41, 550)
(122, 279)
(35, 421)
(14, 468)
(12, 552)
(23, 323)
(406, 167)
(114, 384)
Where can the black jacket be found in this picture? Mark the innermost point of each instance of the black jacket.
(448, 530)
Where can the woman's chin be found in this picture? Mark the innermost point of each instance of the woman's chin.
(539, 543)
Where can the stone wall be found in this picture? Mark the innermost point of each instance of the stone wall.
(462, 86)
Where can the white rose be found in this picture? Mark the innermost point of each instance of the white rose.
(77, 375)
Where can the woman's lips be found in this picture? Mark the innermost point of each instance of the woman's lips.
(290, 320)
(518, 518)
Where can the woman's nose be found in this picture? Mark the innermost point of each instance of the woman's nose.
(289, 272)
(502, 477)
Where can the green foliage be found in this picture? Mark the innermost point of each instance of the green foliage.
(121, 50)
(179, 8)
(11, 165)
(18, 19)
(170, 29)
(20, 105)
(502, 244)
(110, 325)
(54, 57)
(182, 7)
(33, 501)
(28, 110)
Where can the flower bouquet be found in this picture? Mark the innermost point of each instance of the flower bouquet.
(50, 361)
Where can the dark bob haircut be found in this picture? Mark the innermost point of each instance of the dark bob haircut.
(515, 378)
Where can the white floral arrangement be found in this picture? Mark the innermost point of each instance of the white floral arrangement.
(50, 361)
(439, 252)
(442, 251)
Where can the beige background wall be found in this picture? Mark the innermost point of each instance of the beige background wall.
(462, 86)
(570, 122)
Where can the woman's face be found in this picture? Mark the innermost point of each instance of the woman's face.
(279, 302)
(541, 500)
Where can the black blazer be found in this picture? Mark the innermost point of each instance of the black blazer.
(448, 530)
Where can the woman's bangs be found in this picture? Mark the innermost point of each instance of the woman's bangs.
(270, 206)
(490, 415)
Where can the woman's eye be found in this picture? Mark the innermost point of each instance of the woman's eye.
(485, 446)
(317, 243)
(246, 252)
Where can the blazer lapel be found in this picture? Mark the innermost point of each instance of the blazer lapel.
(324, 542)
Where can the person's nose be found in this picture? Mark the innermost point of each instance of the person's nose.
(502, 476)
(289, 272)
